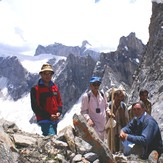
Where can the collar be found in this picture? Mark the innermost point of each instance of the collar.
(42, 83)
(142, 117)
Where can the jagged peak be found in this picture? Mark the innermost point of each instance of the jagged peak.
(130, 42)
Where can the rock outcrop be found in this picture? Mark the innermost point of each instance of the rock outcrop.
(15, 78)
(149, 74)
(72, 144)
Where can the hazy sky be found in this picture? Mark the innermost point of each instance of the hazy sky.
(27, 23)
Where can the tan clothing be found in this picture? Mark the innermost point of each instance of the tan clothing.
(148, 106)
(130, 112)
(122, 118)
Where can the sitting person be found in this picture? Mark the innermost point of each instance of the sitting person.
(142, 134)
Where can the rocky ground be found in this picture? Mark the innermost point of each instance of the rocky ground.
(76, 145)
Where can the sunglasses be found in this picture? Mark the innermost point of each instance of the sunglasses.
(96, 84)
(47, 73)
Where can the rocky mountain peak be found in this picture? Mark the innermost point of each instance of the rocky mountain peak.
(131, 43)
(149, 75)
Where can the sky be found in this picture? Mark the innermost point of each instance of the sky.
(27, 23)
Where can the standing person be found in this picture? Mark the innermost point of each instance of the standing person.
(93, 107)
(142, 132)
(46, 101)
(143, 95)
(120, 114)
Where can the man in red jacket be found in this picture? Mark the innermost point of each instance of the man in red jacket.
(46, 101)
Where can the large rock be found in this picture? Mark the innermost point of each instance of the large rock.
(89, 135)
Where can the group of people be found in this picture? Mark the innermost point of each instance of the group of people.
(132, 131)
(134, 127)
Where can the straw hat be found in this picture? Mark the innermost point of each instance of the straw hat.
(46, 67)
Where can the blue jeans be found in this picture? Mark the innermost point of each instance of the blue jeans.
(131, 148)
(48, 127)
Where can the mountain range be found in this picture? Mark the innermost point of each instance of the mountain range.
(132, 66)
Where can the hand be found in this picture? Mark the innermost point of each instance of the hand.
(123, 136)
(90, 122)
(55, 117)
(110, 115)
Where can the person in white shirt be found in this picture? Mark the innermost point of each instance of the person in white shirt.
(93, 107)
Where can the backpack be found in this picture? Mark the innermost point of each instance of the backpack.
(89, 95)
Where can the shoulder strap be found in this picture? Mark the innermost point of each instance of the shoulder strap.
(102, 94)
(122, 104)
(89, 95)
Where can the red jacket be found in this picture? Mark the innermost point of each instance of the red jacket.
(45, 100)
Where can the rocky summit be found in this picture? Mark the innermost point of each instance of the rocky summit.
(78, 144)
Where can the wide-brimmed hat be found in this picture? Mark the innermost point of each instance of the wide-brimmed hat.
(95, 79)
(46, 67)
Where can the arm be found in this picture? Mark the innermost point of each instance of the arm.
(57, 115)
(85, 110)
(84, 107)
(128, 129)
(36, 109)
(148, 132)
(59, 103)
(108, 110)
(126, 115)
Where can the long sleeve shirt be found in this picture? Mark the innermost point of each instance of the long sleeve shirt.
(95, 109)
(45, 100)
(145, 132)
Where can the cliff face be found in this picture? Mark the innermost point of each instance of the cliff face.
(119, 66)
(150, 72)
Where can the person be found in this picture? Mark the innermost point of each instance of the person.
(94, 106)
(120, 114)
(143, 96)
(142, 134)
(46, 101)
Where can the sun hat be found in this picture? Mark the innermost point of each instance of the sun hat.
(46, 67)
(95, 79)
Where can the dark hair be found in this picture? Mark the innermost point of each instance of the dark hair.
(141, 103)
(142, 91)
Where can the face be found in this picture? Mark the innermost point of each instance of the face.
(46, 76)
(95, 86)
(119, 98)
(138, 110)
(144, 97)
